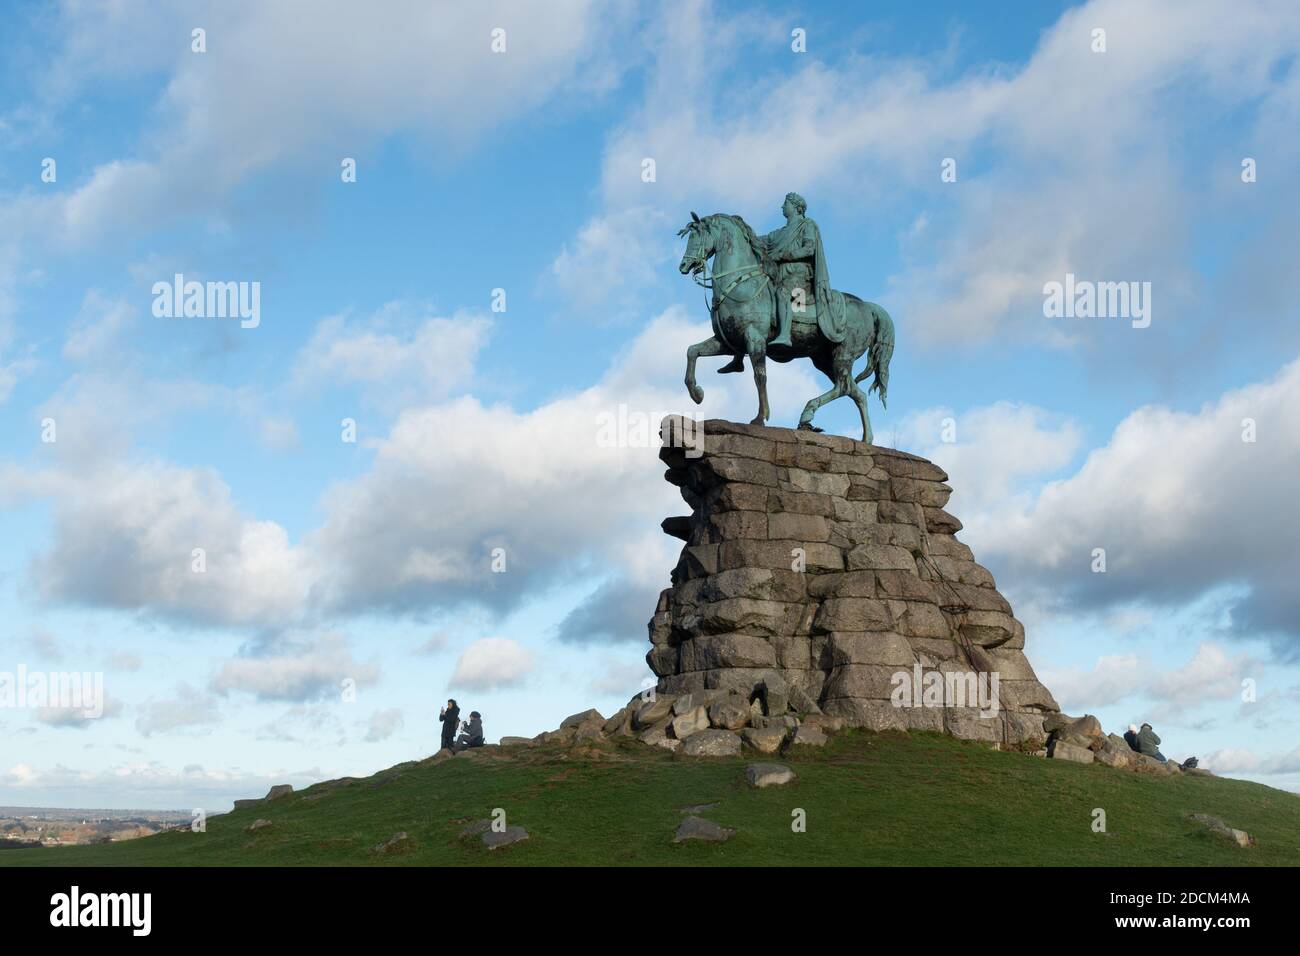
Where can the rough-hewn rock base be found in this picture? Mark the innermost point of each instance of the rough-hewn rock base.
(815, 569)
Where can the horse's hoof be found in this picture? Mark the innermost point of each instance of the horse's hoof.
(758, 420)
(697, 394)
(808, 427)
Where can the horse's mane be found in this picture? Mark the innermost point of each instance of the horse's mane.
(750, 236)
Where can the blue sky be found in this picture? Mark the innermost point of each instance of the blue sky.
(522, 171)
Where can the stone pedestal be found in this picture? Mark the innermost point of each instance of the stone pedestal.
(818, 569)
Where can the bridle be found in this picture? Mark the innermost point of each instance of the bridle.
(710, 282)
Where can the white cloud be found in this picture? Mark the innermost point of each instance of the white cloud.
(268, 92)
(453, 481)
(295, 668)
(76, 717)
(97, 331)
(383, 724)
(1212, 675)
(1239, 760)
(402, 356)
(1180, 503)
(982, 473)
(1088, 140)
(637, 245)
(143, 783)
(187, 710)
(491, 663)
(125, 537)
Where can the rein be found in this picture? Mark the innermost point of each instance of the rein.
(744, 272)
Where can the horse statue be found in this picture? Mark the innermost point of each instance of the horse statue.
(744, 318)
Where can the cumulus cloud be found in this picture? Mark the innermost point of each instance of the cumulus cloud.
(75, 717)
(492, 663)
(383, 724)
(621, 678)
(982, 473)
(1242, 761)
(1081, 141)
(566, 488)
(1181, 502)
(1211, 675)
(294, 667)
(570, 490)
(617, 611)
(188, 709)
(126, 536)
(336, 89)
(406, 357)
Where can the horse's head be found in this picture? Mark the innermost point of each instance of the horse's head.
(699, 245)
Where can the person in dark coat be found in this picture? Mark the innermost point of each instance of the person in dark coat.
(1131, 738)
(473, 732)
(450, 717)
(1149, 743)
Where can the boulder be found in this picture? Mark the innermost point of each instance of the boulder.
(698, 828)
(577, 720)
(516, 742)
(768, 774)
(1224, 832)
(278, 791)
(1061, 750)
(657, 736)
(690, 722)
(1144, 763)
(712, 743)
(616, 723)
(258, 825)
(1114, 758)
(808, 736)
(730, 713)
(801, 702)
(1054, 722)
(1085, 726)
(511, 834)
(399, 842)
(565, 735)
(652, 712)
(766, 740)
(823, 722)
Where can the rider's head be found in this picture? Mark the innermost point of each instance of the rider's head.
(796, 202)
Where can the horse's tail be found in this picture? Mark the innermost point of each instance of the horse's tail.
(881, 351)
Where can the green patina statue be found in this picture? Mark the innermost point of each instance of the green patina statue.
(772, 297)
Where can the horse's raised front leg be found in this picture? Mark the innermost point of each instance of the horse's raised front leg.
(710, 346)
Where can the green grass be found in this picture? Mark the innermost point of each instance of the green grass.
(871, 799)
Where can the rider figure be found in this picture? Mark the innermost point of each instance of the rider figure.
(796, 251)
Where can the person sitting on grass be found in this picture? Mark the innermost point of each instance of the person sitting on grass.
(1131, 738)
(471, 732)
(1149, 743)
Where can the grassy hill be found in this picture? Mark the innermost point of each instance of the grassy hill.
(871, 799)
